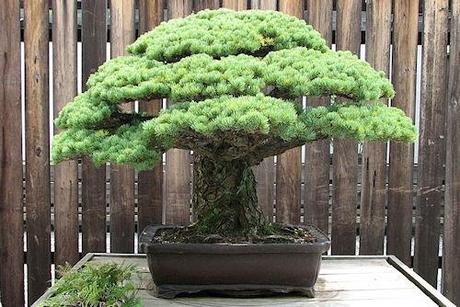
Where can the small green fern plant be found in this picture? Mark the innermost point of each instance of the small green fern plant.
(95, 285)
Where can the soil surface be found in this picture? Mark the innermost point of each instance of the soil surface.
(279, 234)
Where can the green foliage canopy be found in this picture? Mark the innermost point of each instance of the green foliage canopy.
(220, 33)
(231, 79)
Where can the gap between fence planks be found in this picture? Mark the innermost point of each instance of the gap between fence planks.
(400, 178)
(65, 89)
(150, 183)
(373, 188)
(94, 53)
(11, 206)
(451, 252)
(432, 139)
(38, 202)
(317, 154)
(345, 157)
(288, 166)
(122, 176)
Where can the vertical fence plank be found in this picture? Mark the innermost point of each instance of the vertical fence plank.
(65, 88)
(150, 183)
(317, 155)
(122, 176)
(11, 214)
(265, 178)
(94, 52)
(288, 167)
(372, 215)
(37, 147)
(264, 4)
(292, 7)
(451, 252)
(265, 171)
(400, 199)
(236, 5)
(178, 171)
(432, 140)
(199, 5)
(345, 156)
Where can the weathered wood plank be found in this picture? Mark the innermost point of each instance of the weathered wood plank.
(150, 183)
(178, 170)
(11, 206)
(317, 155)
(348, 266)
(288, 167)
(400, 178)
(38, 202)
(352, 281)
(292, 7)
(451, 252)
(236, 5)
(199, 5)
(421, 283)
(363, 301)
(94, 53)
(265, 178)
(345, 155)
(373, 188)
(432, 139)
(264, 4)
(64, 90)
(122, 176)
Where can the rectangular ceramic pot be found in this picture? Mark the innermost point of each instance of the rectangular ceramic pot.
(232, 269)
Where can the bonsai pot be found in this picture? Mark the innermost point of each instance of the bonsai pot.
(233, 269)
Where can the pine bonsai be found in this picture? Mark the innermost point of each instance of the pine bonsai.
(232, 80)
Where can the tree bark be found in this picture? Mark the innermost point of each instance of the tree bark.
(225, 198)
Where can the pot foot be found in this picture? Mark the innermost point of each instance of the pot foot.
(172, 291)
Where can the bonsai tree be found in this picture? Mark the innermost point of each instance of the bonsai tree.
(232, 80)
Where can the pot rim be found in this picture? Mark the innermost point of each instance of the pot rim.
(146, 245)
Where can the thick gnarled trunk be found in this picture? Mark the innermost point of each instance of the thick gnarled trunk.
(225, 198)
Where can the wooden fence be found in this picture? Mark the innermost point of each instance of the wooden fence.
(372, 201)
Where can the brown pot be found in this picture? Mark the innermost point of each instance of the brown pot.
(232, 269)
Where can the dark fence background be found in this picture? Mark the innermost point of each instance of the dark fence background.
(375, 199)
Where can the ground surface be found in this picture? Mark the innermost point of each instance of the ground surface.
(342, 282)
